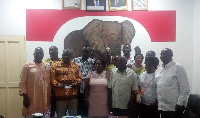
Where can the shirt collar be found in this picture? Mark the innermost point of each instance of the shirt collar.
(153, 74)
(169, 64)
(124, 71)
(70, 63)
(86, 60)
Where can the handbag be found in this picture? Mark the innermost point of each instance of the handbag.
(140, 93)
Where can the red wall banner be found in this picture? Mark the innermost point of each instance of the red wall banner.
(42, 24)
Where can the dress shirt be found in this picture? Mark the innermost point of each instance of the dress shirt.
(84, 67)
(150, 94)
(172, 86)
(70, 74)
(122, 84)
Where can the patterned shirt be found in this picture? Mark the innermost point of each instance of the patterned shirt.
(84, 67)
(69, 74)
(138, 71)
(122, 85)
(109, 67)
(51, 62)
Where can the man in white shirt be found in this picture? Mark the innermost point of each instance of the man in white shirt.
(172, 86)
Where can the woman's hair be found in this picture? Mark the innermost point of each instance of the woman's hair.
(140, 55)
(153, 60)
(103, 62)
(151, 53)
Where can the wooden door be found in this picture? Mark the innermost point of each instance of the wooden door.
(12, 58)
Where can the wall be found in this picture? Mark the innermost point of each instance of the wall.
(196, 48)
(13, 22)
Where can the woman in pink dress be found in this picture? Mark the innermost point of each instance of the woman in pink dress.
(96, 95)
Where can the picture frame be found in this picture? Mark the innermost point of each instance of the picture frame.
(95, 5)
(71, 4)
(117, 5)
(139, 4)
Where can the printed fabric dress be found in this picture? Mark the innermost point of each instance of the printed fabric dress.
(98, 100)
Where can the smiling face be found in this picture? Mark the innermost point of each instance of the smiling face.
(98, 66)
(166, 56)
(126, 49)
(121, 62)
(138, 59)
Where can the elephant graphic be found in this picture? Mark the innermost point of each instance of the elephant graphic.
(100, 34)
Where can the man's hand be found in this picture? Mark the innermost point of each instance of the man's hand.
(153, 105)
(179, 108)
(75, 84)
(26, 101)
(86, 103)
(130, 105)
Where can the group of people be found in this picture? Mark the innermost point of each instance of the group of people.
(90, 86)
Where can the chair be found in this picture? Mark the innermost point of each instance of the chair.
(193, 107)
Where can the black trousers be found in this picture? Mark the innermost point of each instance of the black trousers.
(53, 103)
(124, 112)
(146, 111)
(82, 109)
(171, 114)
(119, 112)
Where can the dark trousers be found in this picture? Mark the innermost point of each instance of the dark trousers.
(82, 109)
(123, 112)
(119, 112)
(53, 103)
(171, 114)
(146, 111)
